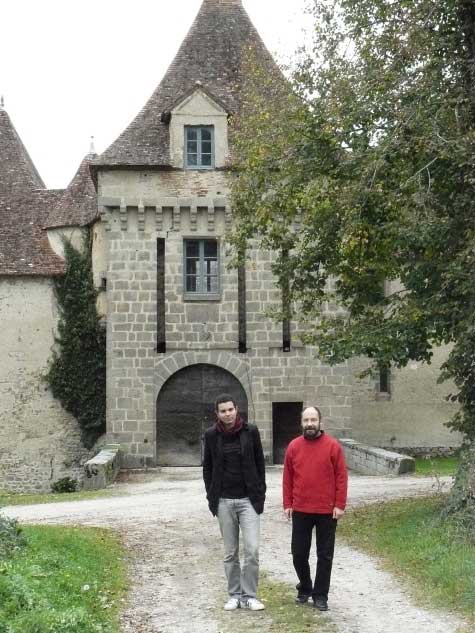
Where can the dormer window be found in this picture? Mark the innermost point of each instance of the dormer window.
(199, 147)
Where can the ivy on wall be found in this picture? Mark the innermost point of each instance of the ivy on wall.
(77, 372)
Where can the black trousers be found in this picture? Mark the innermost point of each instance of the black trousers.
(302, 529)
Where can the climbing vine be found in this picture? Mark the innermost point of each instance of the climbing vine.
(77, 372)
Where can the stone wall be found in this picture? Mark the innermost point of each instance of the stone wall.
(39, 441)
(138, 208)
(411, 417)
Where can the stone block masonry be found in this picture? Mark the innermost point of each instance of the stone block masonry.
(101, 470)
(369, 460)
(196, 332)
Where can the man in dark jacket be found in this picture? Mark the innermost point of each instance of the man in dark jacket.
(234, 476)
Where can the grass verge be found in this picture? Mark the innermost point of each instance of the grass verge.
(281, 614)
(14, 499)
(66, 580)
(412, 540)
(437, 465)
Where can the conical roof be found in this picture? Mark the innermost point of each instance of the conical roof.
(18, 175)
(77, 205)
(24, 204)
(24, 245)
(213, 54)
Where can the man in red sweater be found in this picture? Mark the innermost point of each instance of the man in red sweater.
(314, 493)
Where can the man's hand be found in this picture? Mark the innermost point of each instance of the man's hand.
(288, 513)
(337, 513)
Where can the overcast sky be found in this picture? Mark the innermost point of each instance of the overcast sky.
(71, 69)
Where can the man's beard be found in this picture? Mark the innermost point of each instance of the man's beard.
(311, 432)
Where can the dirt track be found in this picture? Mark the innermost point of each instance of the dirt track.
(174, 551)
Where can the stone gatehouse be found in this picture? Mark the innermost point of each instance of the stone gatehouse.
(182, 326)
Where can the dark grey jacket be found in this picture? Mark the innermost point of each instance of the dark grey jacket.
(253, 466)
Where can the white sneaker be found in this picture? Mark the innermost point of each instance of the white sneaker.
(231, 604)
(253, 604)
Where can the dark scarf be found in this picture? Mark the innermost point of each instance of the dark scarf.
(234, 430)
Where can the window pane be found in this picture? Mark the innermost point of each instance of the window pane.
(206, 147)
(192, 147)
(211, 248)
(192, 266)
(192, 248)
(191, 134)
(205, 135)
(206, 160)
(212, 284)
(192, 159)
(191, 283)
(211, 267)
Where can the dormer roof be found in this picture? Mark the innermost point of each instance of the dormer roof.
(18, 174)
(212, 54)
(77, 205)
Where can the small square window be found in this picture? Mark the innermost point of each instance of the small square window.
(199, 144)
(201, 269)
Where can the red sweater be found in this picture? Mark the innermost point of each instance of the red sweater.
(315, 475)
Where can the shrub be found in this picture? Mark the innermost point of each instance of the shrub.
(11, 537)
(66, 484)
(77, 371)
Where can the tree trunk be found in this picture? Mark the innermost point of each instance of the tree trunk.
(461, 501)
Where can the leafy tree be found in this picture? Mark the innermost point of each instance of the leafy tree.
(363, 172)
(77, 373)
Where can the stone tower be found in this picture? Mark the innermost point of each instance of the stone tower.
(182, 326)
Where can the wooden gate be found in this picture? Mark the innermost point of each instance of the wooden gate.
(185, 409)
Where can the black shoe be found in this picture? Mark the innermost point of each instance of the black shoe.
(321, 604)
(302, 598)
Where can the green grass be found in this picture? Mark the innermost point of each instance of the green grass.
(281, 614)
(437, 465)
(66, 580)
(412, 540)
(17, 499)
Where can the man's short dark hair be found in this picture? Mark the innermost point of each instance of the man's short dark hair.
(312, 406)
(224, 397)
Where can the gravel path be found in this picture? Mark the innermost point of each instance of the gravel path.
(174, 553)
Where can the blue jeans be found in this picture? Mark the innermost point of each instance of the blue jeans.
(235, 515)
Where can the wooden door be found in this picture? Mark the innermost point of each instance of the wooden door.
(185, 409)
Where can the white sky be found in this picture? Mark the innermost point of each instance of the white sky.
(72, 69)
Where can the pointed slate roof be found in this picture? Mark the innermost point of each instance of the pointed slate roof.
(24, 245)
(24, 204)
(18, 175)
(77, 205)
(212, 54)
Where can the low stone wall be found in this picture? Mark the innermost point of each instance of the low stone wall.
(369, 460)
(101, 470)
(425, 451)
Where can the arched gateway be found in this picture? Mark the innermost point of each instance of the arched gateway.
(185, 409)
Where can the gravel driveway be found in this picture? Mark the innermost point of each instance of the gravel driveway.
(174, 551)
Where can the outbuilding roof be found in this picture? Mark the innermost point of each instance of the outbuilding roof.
(24, 205)
(212, 55)
(77, 205)
(24, 245)
(18, 175)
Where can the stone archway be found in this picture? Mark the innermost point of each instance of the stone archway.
(185, 410)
